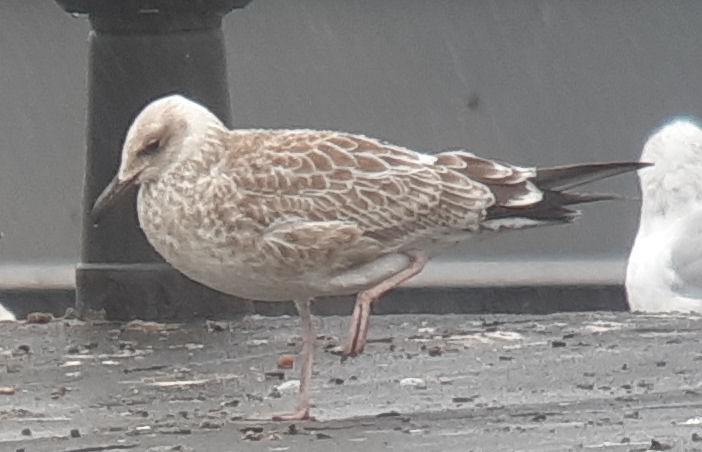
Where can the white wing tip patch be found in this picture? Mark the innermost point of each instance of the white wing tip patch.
(512, 223)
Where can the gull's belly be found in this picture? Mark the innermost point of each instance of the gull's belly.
(231, 256)
(237, 272)
(236, 278)
(193, 243)
(265, 280)
(258, 276)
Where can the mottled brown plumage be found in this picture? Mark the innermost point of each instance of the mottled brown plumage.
(294, 214)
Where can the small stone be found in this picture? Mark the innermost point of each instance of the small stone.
(175, 448)
(558, 344)
(217, 326)
(75, 433)
(139, 413)
(252, 436)
(26, 432)
(7, 390)
(146, 326)
(657, 445)
(72, 363)
(539, 418)
(285, 361)
(39, 317)
(435, 351)
(254, 397)
(211, 425)
(274, 375)
(191, 347)
(230, 403)
(336, 380)
(22, 349)
(644, 384)
(72, 349)
(337, 350)
(696, 437)
(289, 387)
(252, 433)
(414, 382)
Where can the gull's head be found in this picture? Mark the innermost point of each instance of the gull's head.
(673, 182)
(677, 142)
(166, 131)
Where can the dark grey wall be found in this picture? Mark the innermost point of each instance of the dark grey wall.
(533, 82)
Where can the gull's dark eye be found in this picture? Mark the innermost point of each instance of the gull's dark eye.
(150, 148)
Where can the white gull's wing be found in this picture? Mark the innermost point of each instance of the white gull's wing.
(686, 256)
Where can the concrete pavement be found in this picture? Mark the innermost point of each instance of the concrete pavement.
(575, 381)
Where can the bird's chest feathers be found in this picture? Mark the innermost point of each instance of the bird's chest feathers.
(191, 216)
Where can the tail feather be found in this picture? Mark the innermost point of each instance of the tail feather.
(554, 184)
(552, 206)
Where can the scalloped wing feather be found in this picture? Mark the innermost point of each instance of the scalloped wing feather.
(394, 195)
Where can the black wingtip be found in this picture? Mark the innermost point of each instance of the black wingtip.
(570, 198)
(565, 177)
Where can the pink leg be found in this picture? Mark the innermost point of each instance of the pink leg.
(308, 339)
(358, 328)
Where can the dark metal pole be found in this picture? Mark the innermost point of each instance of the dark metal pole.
(141, 50)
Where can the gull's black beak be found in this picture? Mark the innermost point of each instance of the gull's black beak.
(114, 191)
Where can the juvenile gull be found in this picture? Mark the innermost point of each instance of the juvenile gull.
(277, 215)
(665, 266)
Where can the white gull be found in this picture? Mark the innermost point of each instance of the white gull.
(664, 272)
(5, 314)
